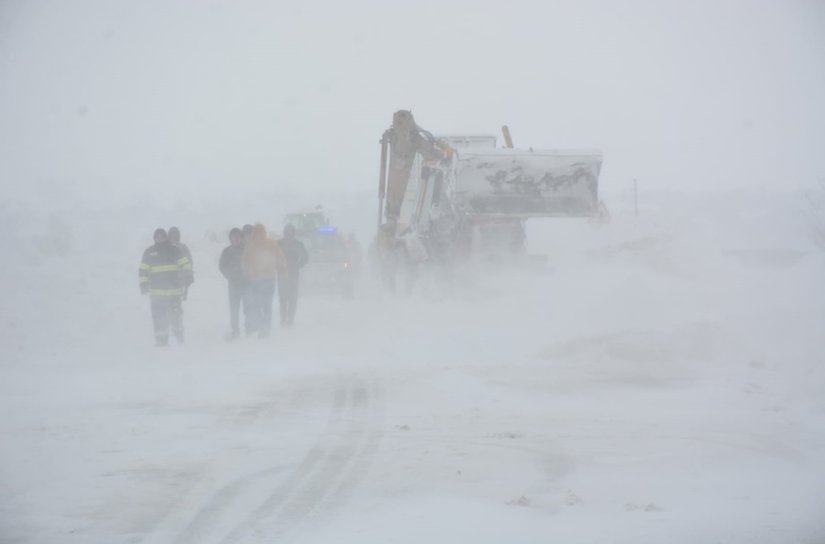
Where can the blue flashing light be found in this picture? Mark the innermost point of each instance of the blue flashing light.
(327, 229)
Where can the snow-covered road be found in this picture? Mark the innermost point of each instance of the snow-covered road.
(659, 381)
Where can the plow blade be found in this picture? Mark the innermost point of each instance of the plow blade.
(519, 183)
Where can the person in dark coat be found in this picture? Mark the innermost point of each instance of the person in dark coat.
(296, 257)
(230, 267)
(163, 274)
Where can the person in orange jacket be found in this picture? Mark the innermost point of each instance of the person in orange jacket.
(262, 263)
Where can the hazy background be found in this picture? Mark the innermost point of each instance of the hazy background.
(105, 100)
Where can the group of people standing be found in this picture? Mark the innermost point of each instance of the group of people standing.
(253, 265)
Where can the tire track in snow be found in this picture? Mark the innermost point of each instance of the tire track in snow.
(207, 517)
(274, 502)
(347, 464)
(329, 472)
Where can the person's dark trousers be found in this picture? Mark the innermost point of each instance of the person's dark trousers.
(238, 296)
(288, 298)
(261, 293)
(166, 313)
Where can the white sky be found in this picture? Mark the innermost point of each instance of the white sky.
(165, 95)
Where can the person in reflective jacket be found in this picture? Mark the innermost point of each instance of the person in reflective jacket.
(174, 237)
(163, 273)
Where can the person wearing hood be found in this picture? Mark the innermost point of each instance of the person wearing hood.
(230, 267)
(296, 257)
(262, 263)
(174, 237)
(162, 275)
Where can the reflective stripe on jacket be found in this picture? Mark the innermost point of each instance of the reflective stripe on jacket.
(165, 270)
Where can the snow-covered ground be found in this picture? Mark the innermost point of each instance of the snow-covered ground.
(660, 380)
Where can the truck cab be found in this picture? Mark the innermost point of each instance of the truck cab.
(331, 266)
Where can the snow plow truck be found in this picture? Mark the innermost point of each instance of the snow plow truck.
(450, 198)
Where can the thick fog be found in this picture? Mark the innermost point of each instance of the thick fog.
(648, 372)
